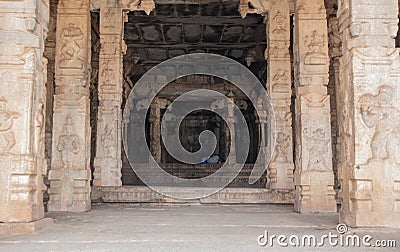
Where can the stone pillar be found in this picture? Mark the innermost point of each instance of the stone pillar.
(155, 130)
(280, 89)
(314, 175)
(23, 31)
(50, 53)
(108, 163)
(335, 52)
(70, 165)
(370, 80)
(231, 130)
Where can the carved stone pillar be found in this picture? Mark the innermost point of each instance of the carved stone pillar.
(50, 53)
(335, 52)
(155, 130)
(314, 175)
(108, 162)
(370, 80)
(280, 89)
(70, 169)
(231, 121)
(23, 31)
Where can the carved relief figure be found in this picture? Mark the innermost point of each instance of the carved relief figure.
(378, 112)
(71, 49)
(279, 30)
(318, 143)
(334, 38)
(280, 81)
(282, 147)
(7, 117)
(68, 144)
(39, 135)
(107, 75)
(107, 139)
(315, 46)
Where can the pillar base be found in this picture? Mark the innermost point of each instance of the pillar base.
(25, 227)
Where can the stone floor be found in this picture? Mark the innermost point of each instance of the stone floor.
(182, 228)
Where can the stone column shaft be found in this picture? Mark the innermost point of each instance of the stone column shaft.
(23, 30)
(108, 163)
(314, 175)
(370, 79)
(70, 167)
(280, 89)
(155, 130)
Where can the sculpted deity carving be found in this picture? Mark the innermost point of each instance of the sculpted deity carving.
(318, 143)
(282, 147)
(315, 46)
(107, 75)
(279, 29)
(7, 117)
(280, 81)
(71, 49)
(40, 121)
(68, 144)
(107, 139)
(334, 38)
(378, 112)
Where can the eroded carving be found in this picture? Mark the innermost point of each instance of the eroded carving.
(7, 117)
(282, 145)
(317, 144)
(280, 82)
(68, 144)
(107, 139)
(315, 46)
(378, 112)
(279, 29)
(71, 50)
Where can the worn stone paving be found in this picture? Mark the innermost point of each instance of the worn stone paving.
(117, 227)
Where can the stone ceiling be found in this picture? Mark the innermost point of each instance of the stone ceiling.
(176, 29)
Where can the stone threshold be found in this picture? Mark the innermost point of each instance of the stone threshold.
(25, 227)
(143, 194)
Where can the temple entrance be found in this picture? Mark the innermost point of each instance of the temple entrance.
(178, 29)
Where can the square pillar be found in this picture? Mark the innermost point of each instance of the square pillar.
(314, 174)
(22, 111)
(370, 122)
(70, 165)
(108, 163)
(280, 89)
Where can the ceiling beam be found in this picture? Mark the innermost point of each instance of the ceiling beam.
(205, 20)
(186, 45)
